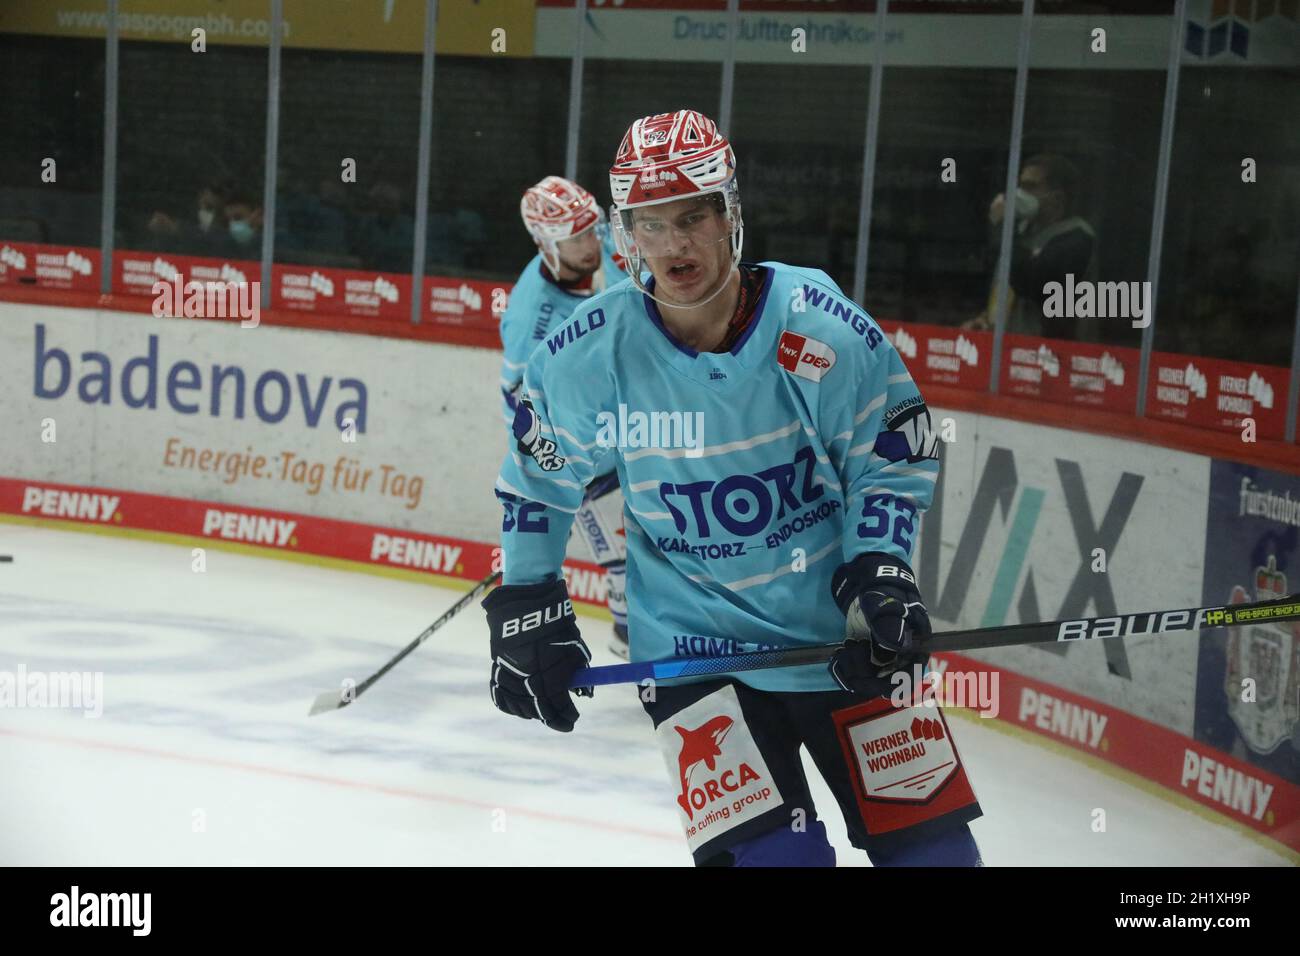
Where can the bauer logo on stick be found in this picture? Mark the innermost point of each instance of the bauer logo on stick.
(528, 432)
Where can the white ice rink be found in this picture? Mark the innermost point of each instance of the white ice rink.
(205, 754)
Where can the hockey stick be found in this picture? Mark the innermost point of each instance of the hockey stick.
(1047, 632)
(336, 699)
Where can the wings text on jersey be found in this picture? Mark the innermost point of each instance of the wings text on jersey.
(821, 299)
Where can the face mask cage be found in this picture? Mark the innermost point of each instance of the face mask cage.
(550, 248)
(621, 223)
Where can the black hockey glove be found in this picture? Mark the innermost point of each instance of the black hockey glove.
(536, 648)
(886, 623)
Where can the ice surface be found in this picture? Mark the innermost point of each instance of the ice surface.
(205, 754)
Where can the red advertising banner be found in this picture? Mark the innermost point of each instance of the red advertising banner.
(354, 292)
(1240, 791)
(942, 354)
(1071, 373)
(474, 302)
(1217, 393)
(48, 266)
(134, 273)
(275, 531)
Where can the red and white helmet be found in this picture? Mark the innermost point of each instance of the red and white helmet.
(557, 209)
(671, 156)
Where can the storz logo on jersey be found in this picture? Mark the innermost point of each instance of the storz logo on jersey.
(527, 428)
(908, 434)
(804, 357)
(743, 504)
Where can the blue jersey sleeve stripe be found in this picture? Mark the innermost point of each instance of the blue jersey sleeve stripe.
(768, 577)
(727, 448)
(650, 515)
(503, 485)
(569, 437)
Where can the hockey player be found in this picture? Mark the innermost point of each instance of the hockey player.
(574, 261)
(776, 457)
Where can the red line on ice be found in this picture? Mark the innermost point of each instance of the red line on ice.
(340, 782)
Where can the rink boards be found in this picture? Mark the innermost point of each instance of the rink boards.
(382, 454)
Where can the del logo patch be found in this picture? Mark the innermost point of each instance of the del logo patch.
(527, 429)
(717, 772)
(803, 356)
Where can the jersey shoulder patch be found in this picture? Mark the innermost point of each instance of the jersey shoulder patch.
(817, 309)
(527, 428)
(908, 434)
(805, 356)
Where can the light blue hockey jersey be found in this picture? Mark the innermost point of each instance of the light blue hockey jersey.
(537, 306)
(749, 476)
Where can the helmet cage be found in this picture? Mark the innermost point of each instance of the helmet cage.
(549, 247)
(622, 220)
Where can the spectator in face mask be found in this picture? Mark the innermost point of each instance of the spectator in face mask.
(1049, 242)
(243, 226)
(198, 236)
(209, 211)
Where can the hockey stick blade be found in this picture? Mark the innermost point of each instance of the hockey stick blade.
(348, 692)
(1047, 632)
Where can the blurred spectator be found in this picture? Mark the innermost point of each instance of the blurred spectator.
(385, 236)
(1049, 242)
(457, 241)
(306, 226)
(243, 227)
(1230, 305)
(200, 233)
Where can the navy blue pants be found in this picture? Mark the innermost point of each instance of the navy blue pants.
(780, 724)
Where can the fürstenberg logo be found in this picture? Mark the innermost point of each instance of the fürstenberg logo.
(1267, 504)
(102, 909)
(67, 690)
(1098, 300)
(651, 430)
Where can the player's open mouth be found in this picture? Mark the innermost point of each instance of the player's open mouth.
(684, 270)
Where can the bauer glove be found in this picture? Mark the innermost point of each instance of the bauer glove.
(536, 648)
(886, 623)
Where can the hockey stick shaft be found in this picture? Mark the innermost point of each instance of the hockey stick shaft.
(334, 699)
(1047, 632)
